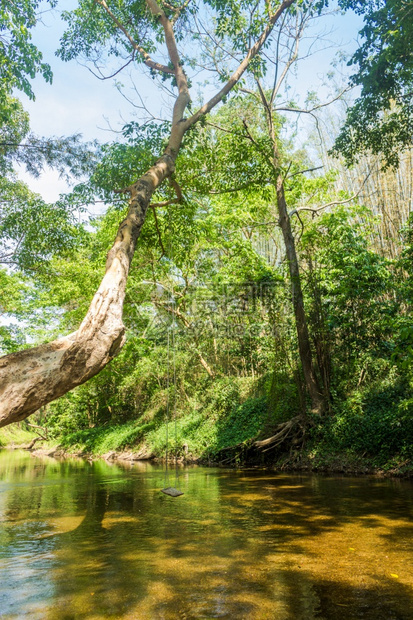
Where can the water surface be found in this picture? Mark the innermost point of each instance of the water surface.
(93, 540)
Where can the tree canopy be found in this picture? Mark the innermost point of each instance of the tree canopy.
(21, 60)
(381, 120)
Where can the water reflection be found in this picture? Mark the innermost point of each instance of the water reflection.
(81, 540)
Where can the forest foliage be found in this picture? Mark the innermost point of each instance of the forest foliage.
(212, 359)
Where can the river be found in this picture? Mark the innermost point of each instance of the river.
(97, 540)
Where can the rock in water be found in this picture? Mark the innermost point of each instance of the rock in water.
(172, 492)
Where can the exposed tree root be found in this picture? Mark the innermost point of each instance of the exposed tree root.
(294, 429)
(290, 434)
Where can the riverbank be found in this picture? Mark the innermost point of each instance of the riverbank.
(345, 444)
(368, 433)
(304, 462)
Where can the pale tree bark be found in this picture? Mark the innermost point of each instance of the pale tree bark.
(34, 377)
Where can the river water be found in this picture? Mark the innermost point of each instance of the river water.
(94, 540)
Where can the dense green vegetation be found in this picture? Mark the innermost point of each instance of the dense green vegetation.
(381, 120)
(357, 301)
(244, 320)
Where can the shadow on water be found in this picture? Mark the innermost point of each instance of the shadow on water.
(98, 541)
(344, 602)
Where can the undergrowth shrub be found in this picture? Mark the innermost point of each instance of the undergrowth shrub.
(378, 425)
(283, 401)
(226, 417)
(244, 423)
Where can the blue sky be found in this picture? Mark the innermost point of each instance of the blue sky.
(77, 102)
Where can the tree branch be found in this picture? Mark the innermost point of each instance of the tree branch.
(333, 203)
(183, 98)
(102, 77)
(315, 108)
(207, 107)
(146, 57)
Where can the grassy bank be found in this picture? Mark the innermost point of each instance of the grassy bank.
(370, 431)
(196, 435)
(16, 435)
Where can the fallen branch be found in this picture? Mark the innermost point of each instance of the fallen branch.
(38, 428)
(33, 441)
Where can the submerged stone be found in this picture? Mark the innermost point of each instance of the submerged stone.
(172, 492)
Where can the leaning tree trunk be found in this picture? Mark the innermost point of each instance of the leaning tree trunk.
(36, 376)
(32, 378)
(304, 347)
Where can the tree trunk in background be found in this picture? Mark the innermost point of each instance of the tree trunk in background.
(304, 347)
(320, 335)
